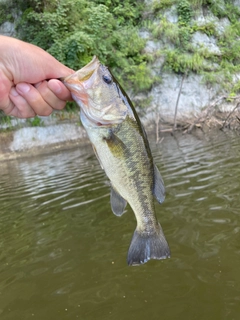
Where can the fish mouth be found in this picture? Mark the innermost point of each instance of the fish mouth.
(81, 77)
(81, 84)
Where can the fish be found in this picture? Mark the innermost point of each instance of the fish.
(122, 148)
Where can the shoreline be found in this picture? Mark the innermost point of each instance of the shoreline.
(34, 141)
(39, 151)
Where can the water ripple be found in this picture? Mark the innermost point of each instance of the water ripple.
(63, 252)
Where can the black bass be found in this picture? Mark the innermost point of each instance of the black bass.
(122, 148)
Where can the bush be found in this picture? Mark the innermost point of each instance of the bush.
(75, 30)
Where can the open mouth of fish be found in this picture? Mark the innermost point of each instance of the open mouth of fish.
(83, 77)
(86, 79)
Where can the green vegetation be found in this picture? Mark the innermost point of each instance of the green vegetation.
(5, 14)
(6, 123)
(5, 120)
(35, 122)
(75, 30)
(182, 62)
(183, 57)
(184, 12)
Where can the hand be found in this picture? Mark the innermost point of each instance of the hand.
(24, 90)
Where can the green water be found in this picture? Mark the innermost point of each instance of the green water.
(63, 253)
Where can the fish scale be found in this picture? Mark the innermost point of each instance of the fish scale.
(122, 148)
(134, 168)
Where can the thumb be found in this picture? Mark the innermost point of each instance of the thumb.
(51, 68)
(30, 63)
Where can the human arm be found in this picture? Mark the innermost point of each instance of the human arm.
(24, 90)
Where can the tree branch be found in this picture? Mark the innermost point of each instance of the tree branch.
(178, 98)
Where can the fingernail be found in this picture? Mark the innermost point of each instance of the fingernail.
(14, 92)
(23, 88)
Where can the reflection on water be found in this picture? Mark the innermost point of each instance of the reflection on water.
(63, 253)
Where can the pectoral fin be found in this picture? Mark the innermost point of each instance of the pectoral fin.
(158, 189)
(118, 204)
(116, 145)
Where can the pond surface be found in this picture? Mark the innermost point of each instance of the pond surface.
(63, 252)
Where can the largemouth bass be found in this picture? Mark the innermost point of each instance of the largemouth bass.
(121, 146)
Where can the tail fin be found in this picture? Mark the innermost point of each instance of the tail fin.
(145, 246)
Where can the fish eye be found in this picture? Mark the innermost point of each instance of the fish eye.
(107, 79)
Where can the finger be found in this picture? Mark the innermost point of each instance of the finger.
(5, 86)
(20, 107)
(34, 99)
(47, 94)
(6, 105)
(59, 89)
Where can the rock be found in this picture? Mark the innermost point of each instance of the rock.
(26, 138)
(200, 39)
(145, 34)
(194, 96)
(203, 18)
(152, 46)
(222, 25)
(7, 29)
(171, 14)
